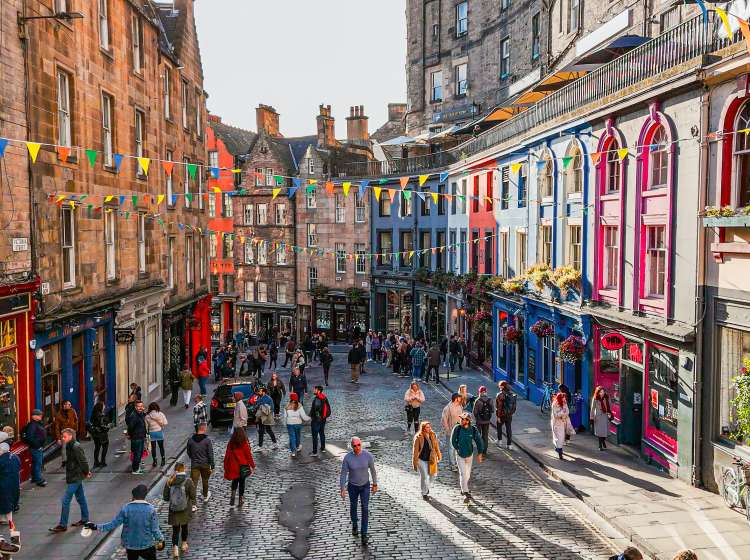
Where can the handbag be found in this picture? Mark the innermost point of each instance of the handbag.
(244, 471)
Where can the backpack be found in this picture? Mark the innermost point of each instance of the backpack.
(485, 413)
(178, 500)
(509, 404)
(264, 410)
(326, 412)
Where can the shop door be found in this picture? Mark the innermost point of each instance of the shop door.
(511, 361)
(79, 377)
(340, 329)
(632, 406)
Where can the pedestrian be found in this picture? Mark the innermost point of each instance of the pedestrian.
(417, 356)
(289, 350)
(308, 347)
(238, 465)
(141, 536)
(135, 390)
(425, 456)
(186, 386)
(326, 359)
(247, 365)
(179, 493)
(450, 416)
(299, 361)
(559, 420)
(463, 439)
(601, 414)
(375, 344)
(686, 554)
(298, 384)
(444, 351)
(239, 417)
(99, 429)
(467, 399)
(433, 363)
(483, 412)
(10, 494)
(463, 353)
(276, 391)
(203, 373)
(320, 411)
(174, 384)
(200, 450)
(630, 553)
(155, 422)
(387, 347)
(273, 354)
(453, 349)
(355, 358)
(368, 346)
(505, 408)
(137, 434)
(35, 436)
(356, 471)
(76, 471)
(265, 417)
(66, 418)
(295, 417)
(200, 412)
(414, 397)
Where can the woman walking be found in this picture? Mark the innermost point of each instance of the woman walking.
(186, 384)
(179, 492)
(601, 414)
(273, 354)
(559, 420)
(66, 418)
(368, 346)
(276, 391)
(425, 456)
(467, 399)
(298, 362)
(155, 422)
(326, 359)
(238, 465)
(414, 397)
(295, 416)
(99, 429)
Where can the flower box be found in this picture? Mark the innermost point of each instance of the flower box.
(726, 221)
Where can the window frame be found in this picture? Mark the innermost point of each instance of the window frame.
(462, 19)
(169, 181)
(360, 263)
(505, 58)
(340, 212)
(461, 84)
(360, 209)
(108, 147)
(340, 259)
(136, 43)
(574, 252)
(103, 9)
(64, 112)
(110, 245)
(141, 240)
(139, 134)
(312, 235)
(68, 245)
(167, 92)
(189, 278)
(436, 90)
(312, 277)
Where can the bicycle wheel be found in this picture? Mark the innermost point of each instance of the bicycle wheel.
(730, 488)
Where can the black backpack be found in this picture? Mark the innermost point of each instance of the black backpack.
(485, 412)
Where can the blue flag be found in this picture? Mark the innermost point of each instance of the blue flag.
(362, 187)
(443, 176)
(291, 191)
(117, 159)
(3, 145)
(215, 172)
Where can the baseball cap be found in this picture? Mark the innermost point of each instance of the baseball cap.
(465, 416)
(293, 397)
(483, 389)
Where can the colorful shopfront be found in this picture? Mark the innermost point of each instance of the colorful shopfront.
(393, 305)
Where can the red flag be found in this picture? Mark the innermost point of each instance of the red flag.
(404, 181)
(63, 152)
(168, 166)
(329, 187)
(745, 28)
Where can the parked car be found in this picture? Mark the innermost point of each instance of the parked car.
(222, 402)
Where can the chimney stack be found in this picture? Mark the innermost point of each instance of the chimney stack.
(356, 126)
(214, 118)
(267, 121)
(326, 131)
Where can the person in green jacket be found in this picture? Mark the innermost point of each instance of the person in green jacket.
(463, 439)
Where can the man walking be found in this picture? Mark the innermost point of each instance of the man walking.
(482, 411)
(417, 356)
(326, 359)
(35, 436)
(290, 347)
(505, 408)
(453, 349)
(355, 358)
(298, 384)
(450, 417)
(76, 471)
(137, 433)
(319, 413)
(239, 418)
(356, 470)
(200, 450)
(200, 412)
(186, 384)
(463, 439)
(203, 372)
(265, 417)
(433, 363)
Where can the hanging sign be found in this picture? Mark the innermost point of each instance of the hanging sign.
(613, 341)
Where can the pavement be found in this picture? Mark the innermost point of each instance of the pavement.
(293, 508)
(658, 514)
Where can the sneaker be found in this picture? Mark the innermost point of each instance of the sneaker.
(8, 548)
(58, 529)
(195, 508)
(294, 453)
(299, 448)
(315, 454)
(508, 447)
(185, 547)
(207, 497)
(79, 523)
(499, 443)
(355, 533)
(175, 551)
(139, 471)
(322, 450)
(41, 483)
(467, 498)
(275, 446)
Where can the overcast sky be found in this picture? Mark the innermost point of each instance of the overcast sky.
(295, 55)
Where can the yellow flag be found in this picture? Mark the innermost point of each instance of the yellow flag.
(423, 179)
(725, 21)
(144, 162)
(434, 197)
(377, 192)
(622, 153)
(516, 167)
(275, 193)
(217, 189)
(236, 170)
(346, 186)
(33, 148)
(109, 198)
(61, 197)
(159, 199)
(411, 254)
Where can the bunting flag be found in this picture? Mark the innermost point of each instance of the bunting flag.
(566, 161)
(62, 152)
(377, 190)
(168, 167)
(329, 187)
(421, 194)
(745, 28)
(595, 157)
(407, 194)
(275, 192)
(134, 200)
(704, 11)
(144, 163)
(215, 172)
(297, 182)
(236, 170)
(192, 169)
(291, 192)
(117, 160)
(108, 198)
(121, 198)
(423, 179)
(61, 198)
(443, 177)
(279, 180)
(516, 167)
(345, 186)
(312, 181)
(189, 197)
(159, 199)
(404, 181)
(33, 148)
(91, 155)
(392, 194)
(362, 186)
(724, 21)
(622, 153)
(217, 190)
(434, 198)
(174, 200)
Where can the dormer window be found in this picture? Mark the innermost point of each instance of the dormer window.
(310, 167)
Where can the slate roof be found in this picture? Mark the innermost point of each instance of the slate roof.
(292, 150)
(237, 140)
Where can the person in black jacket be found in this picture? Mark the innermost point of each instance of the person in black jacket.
(76, 471)
(137, 433)
(99, 430)
(326, 359)
(35, 436)
(355, 358)
(298, 384)
(320, 410)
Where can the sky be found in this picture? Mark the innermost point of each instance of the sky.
(296, 54)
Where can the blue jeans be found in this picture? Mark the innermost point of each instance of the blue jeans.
(295, 436)
(417, 372)
(136, 448)
(37, 458)
(202, 385)
(318, 431)
(363, 494)
(74, 489)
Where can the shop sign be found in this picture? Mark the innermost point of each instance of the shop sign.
(15, 304)
(613, 341)
(124, 336)
(633, 352)
(456, 113)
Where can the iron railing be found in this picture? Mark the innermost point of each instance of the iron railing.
(692, 39)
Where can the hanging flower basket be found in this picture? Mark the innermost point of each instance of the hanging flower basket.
(513, 285)
(542, 328)
(571, 349)
(513, 335)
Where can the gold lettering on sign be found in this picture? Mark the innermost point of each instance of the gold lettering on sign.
(7, 333)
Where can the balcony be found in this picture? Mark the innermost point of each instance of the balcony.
(661, 57)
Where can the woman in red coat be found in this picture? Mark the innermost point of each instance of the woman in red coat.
(238, 463)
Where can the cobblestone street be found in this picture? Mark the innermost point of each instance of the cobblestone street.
(515, 513)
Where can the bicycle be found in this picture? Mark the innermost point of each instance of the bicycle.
(735, 485)
(546, 404)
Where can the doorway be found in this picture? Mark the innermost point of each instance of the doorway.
(632, 406)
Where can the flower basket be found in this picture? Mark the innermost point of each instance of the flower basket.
(513, 285)
(566, 278)
(513, 335)
(571, 349)
(542, 328)
(539, 275)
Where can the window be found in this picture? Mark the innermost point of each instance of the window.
(546, 245)
(504, 58)
(68, 243)
(202, 260)
(575, 243)
(535, 44)
(212, 205)
(228, 248)
(454, 198)
(107, 146)
(475, 198)
(137, 41)
(312, 235)
(141, 243)
(360, 266)
(340, 209)
(359, 208)
(170, 263)
(475, 251)
(436, 86)
(212, 245)
(463, 204)
(269, 177)
(610, 257)
(201, 171)
(110, 244)
(407, 246)
(237, 176)
(384, 206)
(262, 292)
(280, 293)
(522, 188)
(574, 7)
(167, 83)
(463, 252)
(228, 283)
(462, 84)
(213, 158)
(249, 253)
(311, 200)
(546, 177)
(504, 189)
(656, 261)
(669, 18)
(503, 254)
(659, 159)
(214, 284)
(574, 173)
(64, 135)
(340, 258)
(170, 191)
(280, 211)
(198, 114)
(185, 101)
(104, 24)
(281, 256)
(188, 201)
(189, 259)
(139, 132)
(742, 157)
(385, 247)
(488, 252)
(441, 200)
(227, 210)
(613, 169)
(406, 205)
(521, 261)
(549, 354)
(310, 166)
(452, 249)
(61, 6)
(312, 277)
(425, 246)
(734, 348)
(249, 212)
(263, 253)
(462, 18)
(440, 264)
(249, 291)
(262, 214)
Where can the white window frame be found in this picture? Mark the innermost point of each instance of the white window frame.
(199, 175)
(137, 43)
(185, 93)
(249, 291)
(64, 123)
(280, 213)
(104, 24)
(169, 181)
(107, 136)
(658, 159)
(436, 90)
(360, 266)
(340, 208)
(262, 296)
(141, 242)
(68, 246)
(310, 166)
(281, 293)
(213, 158)
(340, 258)
(212, 204)
(249, 253)
(263, 254)
(359, 209)
(462, 18)
(462, 78)
(198, 115)
(575, 246)
(281, 256)
(167, 92)
(227, 205)
(269, 177)
(545, 245)
(170, 263)
(213, 245)
(262, 219)
(186, 186)
(61, 6)
(110, 244)
(139, 131)
(312, 235)
(189, 260)
(312, 277)
(311, 199)
(522, 260)
(505, 58)
(201, 259)
(249, 214)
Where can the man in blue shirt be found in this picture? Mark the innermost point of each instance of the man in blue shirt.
(141, 535)
(356, 469)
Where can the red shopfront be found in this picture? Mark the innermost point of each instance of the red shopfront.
(199, 330)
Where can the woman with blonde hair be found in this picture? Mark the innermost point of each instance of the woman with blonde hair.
(179, 492)
(425, 456)
(414, 397)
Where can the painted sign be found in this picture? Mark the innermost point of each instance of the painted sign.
(613, 341)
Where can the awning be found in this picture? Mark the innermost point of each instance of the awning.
(401, 141)
(606, 53)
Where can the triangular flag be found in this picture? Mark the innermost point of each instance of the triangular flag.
(275, 192)
(168, 167)
(434, 198)
(595, 157)
(33, 148)
(377, 192)
(144, 162)
(407, 194)
(704, 11)
(192, 169)
(61, 197)
(297, 182)
(159, 199)
(312, 181)
(189, 197)
(217, 190)
(345, 186)
(310, 189)
(134, 199)
(392, 194)
(215, 172)
(566, 161)
(236, 170)
(117, 160)
(745, 28)
(291, 191)
(279, 180)
(3, 144)
(91, 154)
(404, 181)
(421, 194)
(443, 176)
(516, 167)
(383, 182)
(174, 200)
(725, 21)
(121, 198)
(362, 186)
(449, 197)
(329, 187)
(62, 152)
(423, 179)
(622, 153)
(108, 198)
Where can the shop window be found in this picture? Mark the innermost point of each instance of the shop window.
(734, 349)
(663, 397)
(742, 157)
(549, 355)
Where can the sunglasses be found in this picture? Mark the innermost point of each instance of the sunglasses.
(356, 445)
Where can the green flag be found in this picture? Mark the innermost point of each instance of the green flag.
(192, 169)
(91, 154)
(566, 161)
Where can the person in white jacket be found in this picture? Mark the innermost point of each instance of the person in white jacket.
(450, 417)
(155, 422)
(414, 397)
(295, 416)
(559, 420)
(239, 418)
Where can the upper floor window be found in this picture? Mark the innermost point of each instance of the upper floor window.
(189, 259)
(462, 83)
(185, 101)
(359, 208)
(269, 177)
(546, 245)
(504, 190)
(226, 206)
(213, 158)
(656, 261)
(384, 206)
(522, 188)
(535, 34)
(406, 205)
(249, 253)
(170, 184)
(312, 235)
(167, 83)
(64, 135)
(311, 200)
(575, 246)
(249, 212)
(462, 18)
(436, 86)
(137, 43)
(574, 8)
(610, 257)
(107, 136)
(613, 169)
(312, 277)
(658, 159)
(340, 209)
(574, 173)
(360, 266)
(546, 177)
(262, 214)
(280, 214)
(198, 114)
(68, 245)
(504, 58)
(104, 24)
(110, 244)
(139, 130)
(141, 238)
(742, 157)
(310, 167)
(340, 258)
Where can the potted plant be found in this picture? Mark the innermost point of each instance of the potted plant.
(726, 216)
(354, 295)
(514, 285)
(740, 404)
(539, 275)
(571, 349)
(542, 328)
(513, 335)
(566, 278)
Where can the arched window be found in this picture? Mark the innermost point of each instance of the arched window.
(659, 159)
(546, 177)
(574, 172)
(742, 156)
(612, 180)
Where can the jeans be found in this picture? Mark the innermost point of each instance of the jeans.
(100, 451)
(484, 430)
(361, 493)
(202, 385)
(74, 489)
(453, 361)
(417, 372)
(326, 370)
(176, 530)
(146, 554)
(450, 453)
(153, 449)
(239, 483)
(369, 355)
(263, 429)
(508, 430)
(37, 459)
(203, 472)
(430, 369)
(424, 476)
(464, 472)
(295, 436)
(412, 415)
(136, 448)
(318, 432)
